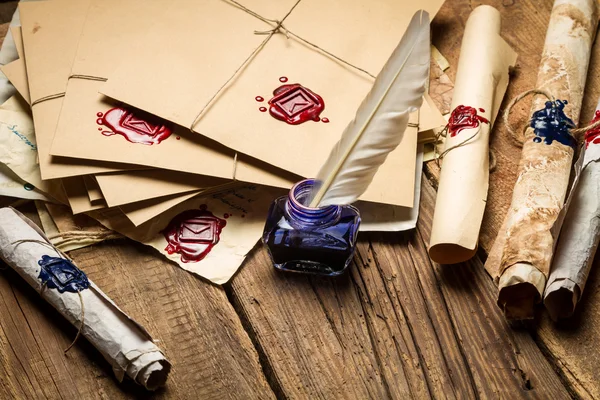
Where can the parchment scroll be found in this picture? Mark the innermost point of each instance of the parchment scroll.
(523, 250)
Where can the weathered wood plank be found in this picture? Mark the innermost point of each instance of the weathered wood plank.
(193, 321)
(504, 361)
(396, 326)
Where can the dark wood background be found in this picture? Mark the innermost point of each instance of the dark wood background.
(396, 326)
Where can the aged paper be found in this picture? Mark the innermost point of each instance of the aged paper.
(124, 343)
(280, 59)
(124, 188)
(18, 147)
(579, 236)
(16, 72)
(77, 195)
(523, 249)
(481, 81)
(51, 32)
(218, 230)
(12, 186)
(181, 150)
(93, 189)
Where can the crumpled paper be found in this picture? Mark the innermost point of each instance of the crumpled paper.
(122, 341)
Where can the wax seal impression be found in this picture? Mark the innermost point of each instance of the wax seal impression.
(62, 275)
(464, 117)
(193, 234)
(593, 135)
(551, 123)
(136, 127)
(296, 104)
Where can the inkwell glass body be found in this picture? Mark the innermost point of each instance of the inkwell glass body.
(310, 240)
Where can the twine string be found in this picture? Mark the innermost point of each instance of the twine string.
(71, 237)
(62, 94)
(279, 28)
(80, 325)
(444, 133)
(64, 256)
(519, 139)
(49, 97)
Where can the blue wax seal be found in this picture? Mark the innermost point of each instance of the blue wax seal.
(60, 274)
(551, 123)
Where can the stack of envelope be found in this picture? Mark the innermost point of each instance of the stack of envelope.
(188, 116)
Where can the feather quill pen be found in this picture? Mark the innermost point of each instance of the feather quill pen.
(380, 121)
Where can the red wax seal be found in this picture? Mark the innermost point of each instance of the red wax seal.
(193, 234)
(464, 117)
(296, 104)
(138, 127)
(593, 135)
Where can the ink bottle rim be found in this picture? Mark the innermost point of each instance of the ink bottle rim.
(309, 216)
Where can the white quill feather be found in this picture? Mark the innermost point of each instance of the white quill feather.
(380, 121)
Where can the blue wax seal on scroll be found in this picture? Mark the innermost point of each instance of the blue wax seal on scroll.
(62, 275)
(551, 123)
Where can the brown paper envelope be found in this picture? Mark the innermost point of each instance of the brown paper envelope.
(300, 148)
(50, 35)
(93, 189)
(363, 33)
(124, 188)
(78, 196)
(144, 211)
(96, 58)
(242, 212)
(18, 39)
(429, 116)
(16, 72)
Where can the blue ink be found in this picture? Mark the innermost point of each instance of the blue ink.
(59, 273)
(551, 123)
(310, 240)
(28, 186)
(13, 129)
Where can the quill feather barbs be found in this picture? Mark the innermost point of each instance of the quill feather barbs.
(380, 121)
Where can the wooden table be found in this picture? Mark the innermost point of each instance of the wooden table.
(395, 326)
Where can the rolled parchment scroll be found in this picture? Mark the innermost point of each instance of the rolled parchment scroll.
(481, 80)
(580, 233)
(123, 343)
(523, 250)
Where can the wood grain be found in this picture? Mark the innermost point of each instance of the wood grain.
(193, 322)
(396, 326)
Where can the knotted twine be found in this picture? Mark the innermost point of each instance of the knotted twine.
(65, 257)
(519, 138)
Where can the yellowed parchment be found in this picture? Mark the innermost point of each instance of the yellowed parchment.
(481, 81)
(523, 250)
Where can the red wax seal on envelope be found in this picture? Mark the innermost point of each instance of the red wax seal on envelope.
(296, 104)
(193, 234)
(464, 117)
(136, 127)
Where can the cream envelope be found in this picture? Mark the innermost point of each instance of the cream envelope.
(50, 31)
(298, 148)
(143, 211)
(18, 149)
(93, 189)
(227, 224)
(16, 72)
(79, 200)
(18, 39)
(118, 189)
(85, 111)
